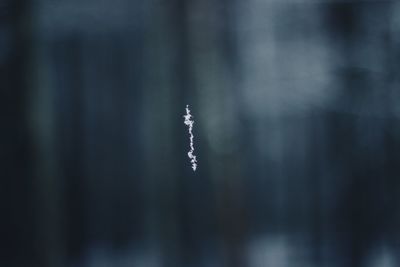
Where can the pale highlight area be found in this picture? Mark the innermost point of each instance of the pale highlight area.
(188, 121)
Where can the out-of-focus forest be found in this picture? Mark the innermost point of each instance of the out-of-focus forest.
(297, 133)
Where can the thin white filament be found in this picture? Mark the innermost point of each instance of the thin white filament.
(189, 122)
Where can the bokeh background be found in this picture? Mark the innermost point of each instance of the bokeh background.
(296, 106)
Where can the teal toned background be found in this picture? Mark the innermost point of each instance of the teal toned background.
(296, 106)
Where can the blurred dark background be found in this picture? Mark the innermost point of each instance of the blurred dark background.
(296, 106)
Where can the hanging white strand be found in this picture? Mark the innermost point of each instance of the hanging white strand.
(189, 121)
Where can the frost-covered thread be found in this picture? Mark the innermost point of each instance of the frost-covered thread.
(188, 121)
